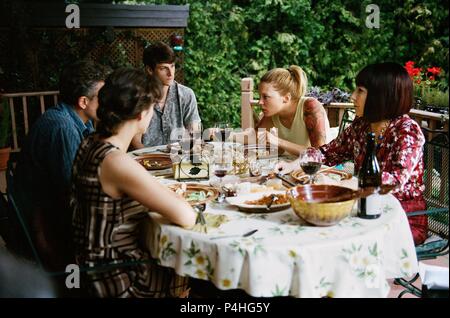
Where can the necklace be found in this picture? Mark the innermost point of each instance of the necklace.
(380, 136)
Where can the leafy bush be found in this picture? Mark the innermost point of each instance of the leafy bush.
(228, 40)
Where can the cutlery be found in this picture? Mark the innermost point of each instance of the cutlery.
(282, 178)
(200, 208)
(235, 235)
(273, 198)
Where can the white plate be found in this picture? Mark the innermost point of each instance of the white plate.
(240, 200)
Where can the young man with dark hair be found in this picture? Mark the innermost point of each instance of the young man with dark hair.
(177, 107)
(43, 172)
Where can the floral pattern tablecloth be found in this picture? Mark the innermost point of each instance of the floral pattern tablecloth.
(287, 257)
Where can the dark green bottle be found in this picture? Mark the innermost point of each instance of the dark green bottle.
(369, 175)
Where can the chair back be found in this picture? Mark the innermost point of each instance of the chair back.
(436, 161)
(14, 208)
(347, 119)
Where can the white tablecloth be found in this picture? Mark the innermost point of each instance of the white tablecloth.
(288, 257)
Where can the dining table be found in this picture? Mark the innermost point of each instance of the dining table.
(270, 254)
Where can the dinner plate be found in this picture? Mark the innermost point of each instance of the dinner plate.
(192, 188)
(155, 161)
(240, 202)
(332, 173)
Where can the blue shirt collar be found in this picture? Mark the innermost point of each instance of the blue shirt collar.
(85, 129)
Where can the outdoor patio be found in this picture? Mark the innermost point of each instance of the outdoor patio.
(225, 54)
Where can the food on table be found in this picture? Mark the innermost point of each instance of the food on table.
(149, 164)
(198, 196)
(267, 199)
(194, 193)
(248, 187)
(276, 184)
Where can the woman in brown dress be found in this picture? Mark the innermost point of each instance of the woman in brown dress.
(112, 194)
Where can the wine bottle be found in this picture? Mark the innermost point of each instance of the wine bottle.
(369, 175)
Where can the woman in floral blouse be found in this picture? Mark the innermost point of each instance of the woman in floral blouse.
(383, 99)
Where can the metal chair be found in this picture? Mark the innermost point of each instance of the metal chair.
(347, 119)
(436, 162)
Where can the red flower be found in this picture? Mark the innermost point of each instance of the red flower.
(434, 70)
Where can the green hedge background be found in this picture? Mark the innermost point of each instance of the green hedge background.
(228, 40)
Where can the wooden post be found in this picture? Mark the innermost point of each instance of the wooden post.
(13, 121)
(42, 103)
(25, 114)
(246, 99)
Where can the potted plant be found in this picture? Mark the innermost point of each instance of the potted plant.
(428, 92)
(5, 128)
(435, 101)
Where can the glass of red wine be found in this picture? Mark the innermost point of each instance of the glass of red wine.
(221, 169)
(310, 162)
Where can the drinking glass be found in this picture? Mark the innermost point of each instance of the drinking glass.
(222, 131)
(310, 162)
(255, 168)
(220, 170)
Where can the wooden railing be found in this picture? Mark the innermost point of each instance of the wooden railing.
(19, 106)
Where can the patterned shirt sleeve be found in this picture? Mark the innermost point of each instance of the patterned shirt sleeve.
(340, 149)
(189, 103)
(407, 155)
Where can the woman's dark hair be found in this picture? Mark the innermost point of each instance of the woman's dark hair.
(158, 53)
(126, 93)
(389, 91)
(79, 79)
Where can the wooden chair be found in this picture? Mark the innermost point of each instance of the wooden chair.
(24, 109)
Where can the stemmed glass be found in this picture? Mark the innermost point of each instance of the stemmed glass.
(221, 169)
(310, 162)
(222, 131)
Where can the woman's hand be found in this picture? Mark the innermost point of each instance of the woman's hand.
(267, 138)
(284, 167)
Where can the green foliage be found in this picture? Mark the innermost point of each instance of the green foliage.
(435, 97)
(227, 40)
(5, 123)
(230, 39)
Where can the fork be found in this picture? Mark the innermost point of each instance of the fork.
(273, 198)
(200, 208)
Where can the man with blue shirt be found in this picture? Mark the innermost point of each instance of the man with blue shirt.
(43, 172)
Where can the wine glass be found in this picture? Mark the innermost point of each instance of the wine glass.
(187, 141)
(310, 162)
(255, 168)
(220, 170)
(222, 131)
(195, 129)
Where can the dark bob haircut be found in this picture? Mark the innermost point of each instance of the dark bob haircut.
(158, 53)
(389, 91)
(126, 93)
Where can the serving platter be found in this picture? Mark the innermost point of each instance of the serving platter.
(154, 161)
(192, 192)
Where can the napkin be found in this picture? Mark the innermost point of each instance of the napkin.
(434, 277)
(212, 221)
